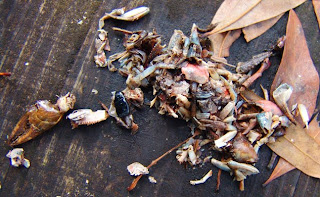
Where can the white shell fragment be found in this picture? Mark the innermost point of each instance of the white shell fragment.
(222, 141)
(202, 180)
(226, 110)
(183, 156)
(136, 169)
(187, 153)
(120, 14)
(192, 155)
(253, 136)
(17, 158)
(152, 180)
(282, 93)
(304, 114)
(221, 165)
(182, 101)
(135, 14)
(87, 117)
(94, 91)
(66, 102)
(246, 169)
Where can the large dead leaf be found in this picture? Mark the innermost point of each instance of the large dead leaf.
(253, 31)
(316, 6)
(283, 166)
(246, 13)
(296, 68)
(299, 149)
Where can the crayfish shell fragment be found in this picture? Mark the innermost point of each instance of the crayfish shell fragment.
(281, 95)
(17, 158)
(304, 114)
(152, 180)
(242, 150)
(39, 118)
(136, 169)
(197, 73)
(87, 117)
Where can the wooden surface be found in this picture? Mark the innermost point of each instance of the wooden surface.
(49, 47)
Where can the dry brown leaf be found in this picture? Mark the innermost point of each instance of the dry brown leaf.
(238, 10)
(253, 31)
(223, 41)
(251, 12)
(296, 69)
(301, 150)
(283, 166)
(227, 42)
(316, 6)
(216, 41)
(219, 41)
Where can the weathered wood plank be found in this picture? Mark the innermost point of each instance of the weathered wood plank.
(50, 51)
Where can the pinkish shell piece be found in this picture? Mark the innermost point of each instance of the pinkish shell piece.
(196, 73)
(269, 106)
(136, 169)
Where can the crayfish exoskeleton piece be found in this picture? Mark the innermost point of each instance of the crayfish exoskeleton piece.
(40, 117)
(120, 14)
(87, 117)
(281, 96)
(119, 109)
(136, 169)
(242, 150)
(17, 158)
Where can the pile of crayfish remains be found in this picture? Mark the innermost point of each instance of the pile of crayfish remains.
(212, 96)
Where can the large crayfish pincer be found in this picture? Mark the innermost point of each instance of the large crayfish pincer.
(40, 117)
